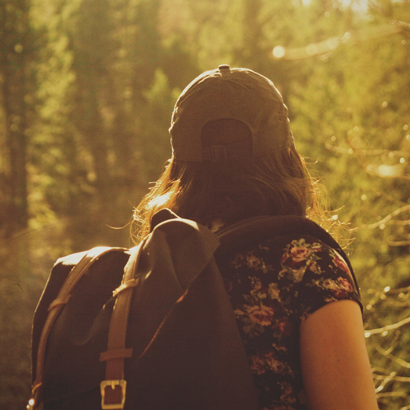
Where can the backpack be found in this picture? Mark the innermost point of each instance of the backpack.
(179, 348)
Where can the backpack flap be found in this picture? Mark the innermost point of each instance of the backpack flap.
(188, 353)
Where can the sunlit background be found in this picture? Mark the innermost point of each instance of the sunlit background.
(87, 90)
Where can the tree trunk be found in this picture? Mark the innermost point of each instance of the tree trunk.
(14, 28)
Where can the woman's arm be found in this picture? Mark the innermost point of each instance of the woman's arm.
(335, 365)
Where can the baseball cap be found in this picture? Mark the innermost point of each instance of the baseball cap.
(238, 94)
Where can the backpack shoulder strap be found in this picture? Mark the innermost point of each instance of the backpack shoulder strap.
(260, 227)
(76, 273)
(113, 388)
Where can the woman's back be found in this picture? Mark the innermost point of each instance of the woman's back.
(274, 285)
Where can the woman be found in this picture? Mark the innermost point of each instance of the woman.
(295, 300)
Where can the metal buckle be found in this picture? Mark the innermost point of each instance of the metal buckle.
(113, 384)
(30, 404)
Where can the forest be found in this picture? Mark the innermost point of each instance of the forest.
(87, 90)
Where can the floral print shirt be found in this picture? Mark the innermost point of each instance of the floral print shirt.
(273, 287)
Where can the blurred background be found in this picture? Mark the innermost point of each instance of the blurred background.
(87, 90)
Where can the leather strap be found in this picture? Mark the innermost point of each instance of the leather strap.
(113, 388)
(55, 308)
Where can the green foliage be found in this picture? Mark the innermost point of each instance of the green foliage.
(387, 345)
(155, 144)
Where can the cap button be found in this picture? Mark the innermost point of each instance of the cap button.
(224, 69)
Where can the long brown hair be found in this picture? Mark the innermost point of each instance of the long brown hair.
(275, 184)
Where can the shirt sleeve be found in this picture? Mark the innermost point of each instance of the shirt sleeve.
(313, 274)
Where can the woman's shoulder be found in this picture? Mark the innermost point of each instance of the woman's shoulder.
(309, 272)
(296, 254)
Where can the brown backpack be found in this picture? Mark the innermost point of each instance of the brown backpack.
(166, 335)
(150, 328)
